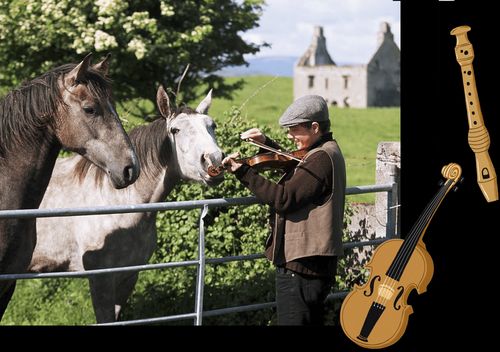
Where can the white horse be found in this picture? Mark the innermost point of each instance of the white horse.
(179, 145)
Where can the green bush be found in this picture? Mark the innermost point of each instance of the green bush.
(236, 230)
(229, 231)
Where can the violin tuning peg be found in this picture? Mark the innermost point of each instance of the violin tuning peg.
(459, 182)
(440, 183)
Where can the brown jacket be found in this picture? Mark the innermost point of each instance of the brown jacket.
(316, 229)
(308, 203)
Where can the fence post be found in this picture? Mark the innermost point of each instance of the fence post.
(200, 282)
(388, 165)
(392, 206)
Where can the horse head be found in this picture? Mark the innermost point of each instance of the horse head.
(192, 138)
(88, 123)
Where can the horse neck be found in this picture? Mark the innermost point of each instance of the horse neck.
(159, 169)
(30, 168)
(28, 145)
(156, 188)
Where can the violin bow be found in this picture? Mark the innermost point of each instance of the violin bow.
(263, 146)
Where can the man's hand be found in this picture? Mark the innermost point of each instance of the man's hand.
(230, 163)
(255, 134)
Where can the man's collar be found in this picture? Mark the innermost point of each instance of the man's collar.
(324, 138)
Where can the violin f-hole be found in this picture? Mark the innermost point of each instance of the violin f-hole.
(372, 284)
(396, 304)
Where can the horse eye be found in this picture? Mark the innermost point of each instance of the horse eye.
(89, 110)
(174, 130)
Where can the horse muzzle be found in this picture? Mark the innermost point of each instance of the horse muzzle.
(210, 162)
(121, 178)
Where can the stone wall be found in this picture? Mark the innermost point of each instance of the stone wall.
(342, 86)
(372, 219)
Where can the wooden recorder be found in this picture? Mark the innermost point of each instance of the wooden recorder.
(479, 139)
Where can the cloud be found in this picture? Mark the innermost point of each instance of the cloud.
(350, 27)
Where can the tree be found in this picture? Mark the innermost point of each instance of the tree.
(150, 41)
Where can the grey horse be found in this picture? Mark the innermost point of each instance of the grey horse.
(179, 145)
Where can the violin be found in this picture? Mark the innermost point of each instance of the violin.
(271, 160)
(274, 159)
(375, 315)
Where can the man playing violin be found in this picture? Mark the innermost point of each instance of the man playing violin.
(307, 210)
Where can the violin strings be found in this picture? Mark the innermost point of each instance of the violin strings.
(254, 142)
(390, 281)
(409, 244)
(406, 250)
(420, 230)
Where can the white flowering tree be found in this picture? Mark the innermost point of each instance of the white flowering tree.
(150, 41)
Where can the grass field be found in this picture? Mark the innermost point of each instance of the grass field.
(263, 100)
(358, 131)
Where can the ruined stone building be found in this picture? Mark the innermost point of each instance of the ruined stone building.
(374, 84)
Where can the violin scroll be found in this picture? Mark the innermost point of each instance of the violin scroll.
(452, 171)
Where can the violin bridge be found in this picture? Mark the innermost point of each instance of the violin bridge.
(385, 291)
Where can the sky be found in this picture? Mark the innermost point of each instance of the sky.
(350, 27)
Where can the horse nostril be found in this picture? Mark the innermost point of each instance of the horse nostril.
(205, 158)
(128, 173)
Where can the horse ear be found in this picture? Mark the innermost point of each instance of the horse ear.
(205, 104)
(103, 66)
(163, 102)
(78, 73)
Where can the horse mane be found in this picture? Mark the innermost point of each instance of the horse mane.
(150, 144)
(28, 110)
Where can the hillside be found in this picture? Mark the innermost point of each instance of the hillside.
(269, 65)
(263, 98)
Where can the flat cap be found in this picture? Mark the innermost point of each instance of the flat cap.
(308, 108)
